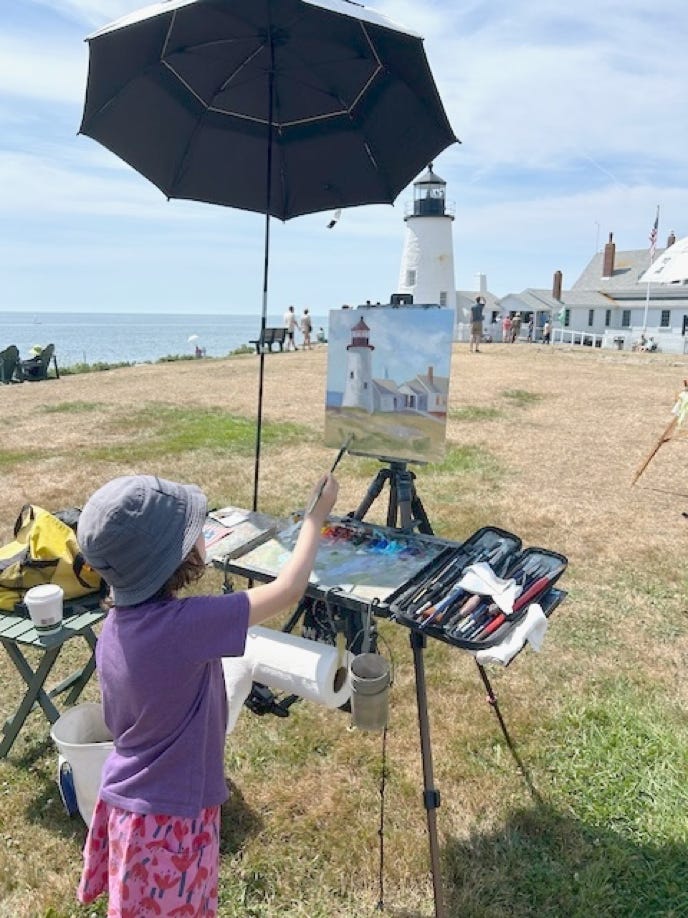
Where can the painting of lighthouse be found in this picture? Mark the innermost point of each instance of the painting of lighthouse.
(358, 376)
(388, 381)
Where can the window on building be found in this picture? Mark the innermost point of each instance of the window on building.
(591, 317)
(665, 319)
(567, 317)
(607, 318)
(626, 318)
(410, 278)
(443, 297)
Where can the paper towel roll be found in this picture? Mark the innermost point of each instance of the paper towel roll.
(287, 663)
(299, 666)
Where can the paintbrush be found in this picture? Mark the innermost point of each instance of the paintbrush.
(318, 494)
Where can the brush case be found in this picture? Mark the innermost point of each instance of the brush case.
(433, 604)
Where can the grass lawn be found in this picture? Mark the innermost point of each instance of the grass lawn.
(543, 442)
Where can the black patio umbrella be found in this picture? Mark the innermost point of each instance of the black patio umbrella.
(283, 107)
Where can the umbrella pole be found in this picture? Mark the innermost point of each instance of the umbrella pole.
(261, 364)
(266, 265)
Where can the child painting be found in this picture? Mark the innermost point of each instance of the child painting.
(153, 842)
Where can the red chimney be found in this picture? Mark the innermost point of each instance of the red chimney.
(671, 240)
(431, 375)
(608, 262)
(556, 285)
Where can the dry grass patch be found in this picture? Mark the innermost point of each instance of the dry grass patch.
(543, 442)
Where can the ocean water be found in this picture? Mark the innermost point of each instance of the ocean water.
(117, 337)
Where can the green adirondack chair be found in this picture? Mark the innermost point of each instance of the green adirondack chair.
(10, 366)
(36, 368)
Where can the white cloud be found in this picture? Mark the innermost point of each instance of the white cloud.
(95, 13)
(573, 125)
(41, 68)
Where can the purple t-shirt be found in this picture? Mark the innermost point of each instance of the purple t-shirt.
(165, 703)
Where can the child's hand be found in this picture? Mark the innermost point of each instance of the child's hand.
(323, 498)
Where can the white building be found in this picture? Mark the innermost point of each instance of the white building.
(608, 306)
(427, 261)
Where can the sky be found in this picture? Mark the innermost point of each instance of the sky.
(573, 125)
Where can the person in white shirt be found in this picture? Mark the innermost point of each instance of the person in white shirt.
(306, 329)
(291, 324)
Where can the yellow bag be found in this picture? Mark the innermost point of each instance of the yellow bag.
(45, 550)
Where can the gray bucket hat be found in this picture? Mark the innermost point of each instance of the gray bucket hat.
(136, 531)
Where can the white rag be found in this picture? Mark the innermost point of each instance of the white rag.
(480, 578)
(238, 683)
(531, 628)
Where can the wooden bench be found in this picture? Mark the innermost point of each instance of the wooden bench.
(268, 337)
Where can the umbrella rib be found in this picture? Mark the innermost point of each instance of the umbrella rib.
(375, 73)
(368, 150)
(224, 111)
(241, 67)
(346, 109)
(208, 44)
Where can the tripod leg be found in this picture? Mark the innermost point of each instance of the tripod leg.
(393, 506)
(431, 796)
(295, 616)
(420, 515)
(371, 494)
(494, 704)
(401, 494)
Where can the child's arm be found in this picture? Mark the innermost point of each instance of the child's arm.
(290, 584)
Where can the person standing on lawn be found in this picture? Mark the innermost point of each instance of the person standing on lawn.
(154, 840)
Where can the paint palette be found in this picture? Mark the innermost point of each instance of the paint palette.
(364, 561)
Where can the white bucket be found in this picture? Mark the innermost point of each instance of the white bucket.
(85, 742)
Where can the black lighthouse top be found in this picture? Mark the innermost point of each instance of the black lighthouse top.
(429, 193)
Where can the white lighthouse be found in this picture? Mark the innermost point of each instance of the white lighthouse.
(358, 388)
(427, 263)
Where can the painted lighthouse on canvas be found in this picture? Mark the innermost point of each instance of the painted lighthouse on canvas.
(388, 380)
(358, 388)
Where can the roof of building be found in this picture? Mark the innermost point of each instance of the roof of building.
(387, 385)
(439, 384)
(628, 268)
(592, 290)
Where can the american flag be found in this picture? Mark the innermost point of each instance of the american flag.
(653, 236)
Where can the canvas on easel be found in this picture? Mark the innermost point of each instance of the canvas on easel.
(388, 381)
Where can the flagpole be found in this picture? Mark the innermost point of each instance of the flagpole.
(647, 304)
(653, 248)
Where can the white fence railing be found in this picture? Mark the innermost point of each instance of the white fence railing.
(561, 335)
(624, 339)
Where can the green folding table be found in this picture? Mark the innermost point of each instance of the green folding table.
(18, 634)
